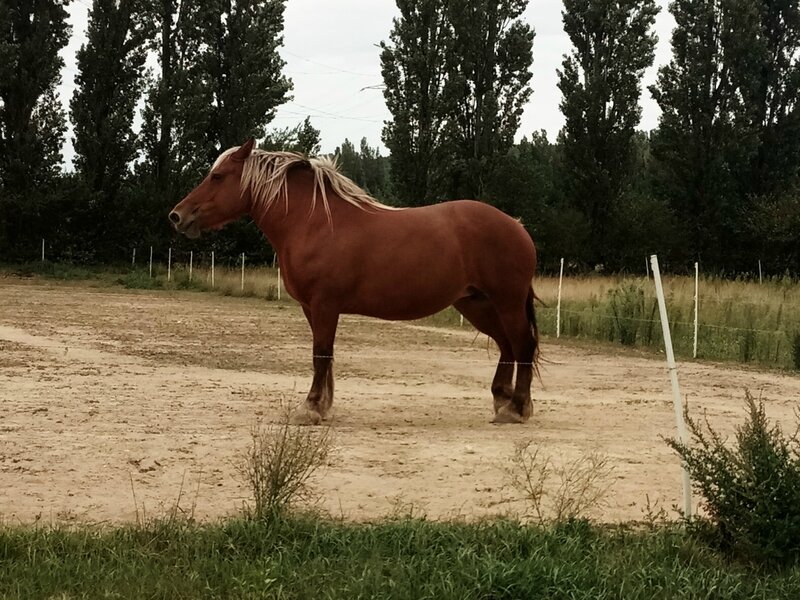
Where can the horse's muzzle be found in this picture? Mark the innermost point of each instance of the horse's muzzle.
(187, 227)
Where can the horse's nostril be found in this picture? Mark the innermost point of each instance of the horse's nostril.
(175, 217)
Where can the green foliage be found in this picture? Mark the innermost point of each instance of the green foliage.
(32, 122)
(366, 167)
(600, 82)
(456, 76)
(304, 557)
(751, 490)
(728, 142)
(486, 89)
(235, 74)
(140, 280)
(629, 314)
(109, 83)
(765, 72)
(303, 138)
(693, 141)
(739, 320)
(219, 82)
(795, 341)
(54, 270)
(414, 74)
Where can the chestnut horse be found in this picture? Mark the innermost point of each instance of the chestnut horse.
(343, 252)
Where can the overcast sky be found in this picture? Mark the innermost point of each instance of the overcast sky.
(331, 54)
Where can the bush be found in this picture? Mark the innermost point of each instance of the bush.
(559, 493)
(140, 280)
(751, 490)
(795, 342)
(280, 463)
(629, 314)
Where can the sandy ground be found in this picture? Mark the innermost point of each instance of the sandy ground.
(116, 403)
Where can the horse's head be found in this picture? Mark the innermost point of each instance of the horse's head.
(218, 199)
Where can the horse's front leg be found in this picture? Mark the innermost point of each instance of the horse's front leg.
(320, 396)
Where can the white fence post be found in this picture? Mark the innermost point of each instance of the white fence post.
(191, 260)
(676, 391)
(133, 260)
(760, 278)
(242, 271)
(212, 268)
(696, 304)
(42, 249)
(151, 262)
(169, 265)
(558, 303)
(647, 267)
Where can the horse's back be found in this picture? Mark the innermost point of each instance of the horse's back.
(490, 239)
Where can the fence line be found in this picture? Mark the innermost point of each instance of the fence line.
(593, 321)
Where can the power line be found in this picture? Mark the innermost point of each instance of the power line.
(314, 62)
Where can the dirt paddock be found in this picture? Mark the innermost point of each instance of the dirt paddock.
(114, 401)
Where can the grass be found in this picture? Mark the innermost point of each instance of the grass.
(259, 282)
(739, 320)
(303, 557)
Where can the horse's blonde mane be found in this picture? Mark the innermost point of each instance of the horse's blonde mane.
(265, 175)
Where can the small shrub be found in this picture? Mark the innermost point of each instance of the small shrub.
(280, 463)
(559, 493)
(751, 489)
(140, 280)
(795, 342)
(627, 306)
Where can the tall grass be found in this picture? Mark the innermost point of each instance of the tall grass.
(739, 320)
(259, 281)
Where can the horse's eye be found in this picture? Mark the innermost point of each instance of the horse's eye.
(216, 176)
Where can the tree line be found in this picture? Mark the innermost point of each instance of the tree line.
(718, 180)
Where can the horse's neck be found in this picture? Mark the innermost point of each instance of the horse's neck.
(286, 223)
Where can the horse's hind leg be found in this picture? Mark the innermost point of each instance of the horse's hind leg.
(480, 312)
(518, 328)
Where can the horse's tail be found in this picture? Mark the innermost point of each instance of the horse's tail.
(530, 309)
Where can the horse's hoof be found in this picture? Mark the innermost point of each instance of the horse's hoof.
(305, 416)
(507, 414)
(500, 404)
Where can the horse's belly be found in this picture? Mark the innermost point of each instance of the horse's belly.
(403, 301)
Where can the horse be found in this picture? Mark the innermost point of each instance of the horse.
(343, 252)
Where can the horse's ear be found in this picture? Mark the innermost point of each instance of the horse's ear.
(243, 151)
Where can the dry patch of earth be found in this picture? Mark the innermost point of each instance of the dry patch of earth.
(113, 402)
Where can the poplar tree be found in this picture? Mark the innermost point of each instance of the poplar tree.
(488, 75)
(109, 84)
(32, 123)
(236, 74)
(600, 80)
(766, 73)
(456, 76)
(414, 73)
(695, 139)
